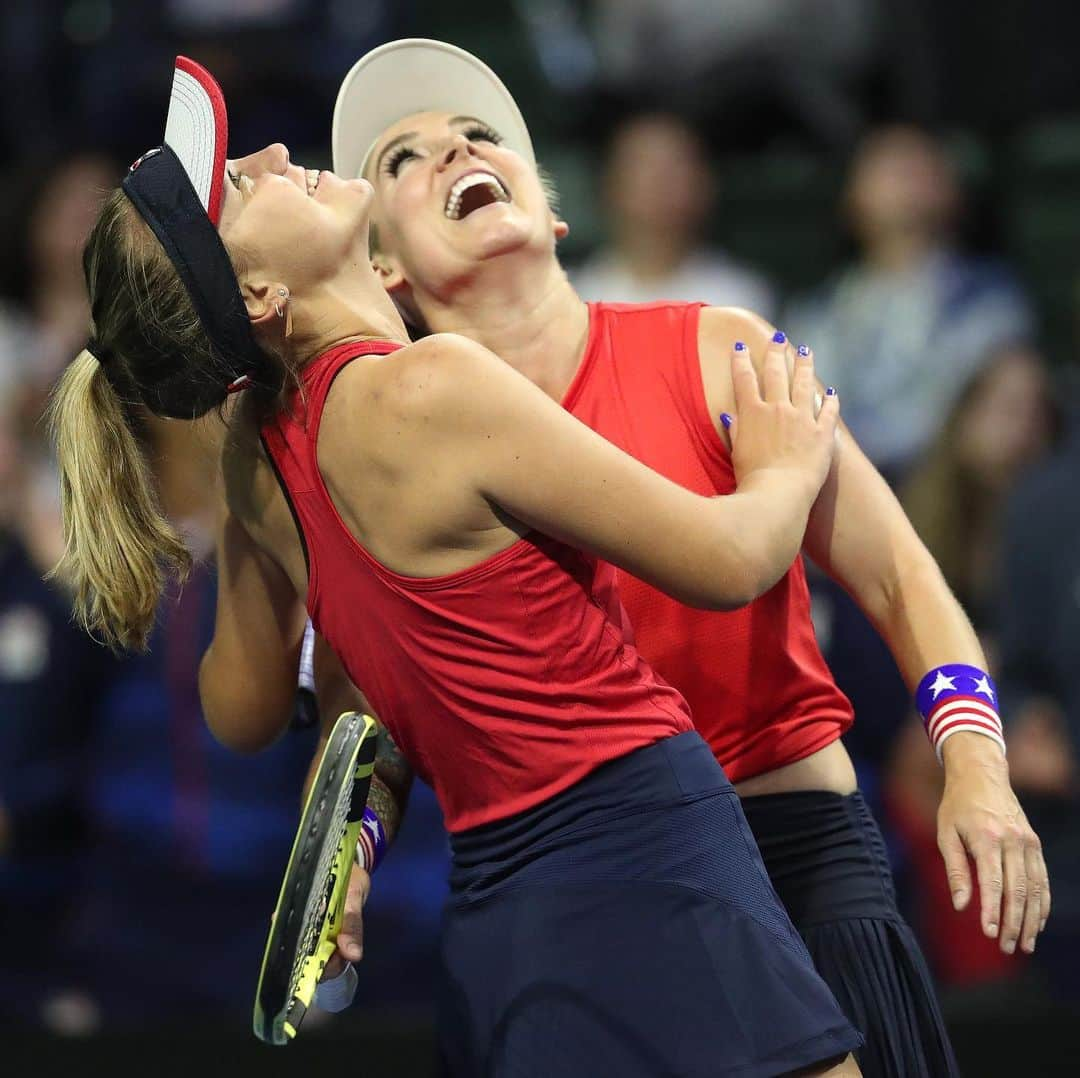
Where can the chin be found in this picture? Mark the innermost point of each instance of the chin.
(505, 237)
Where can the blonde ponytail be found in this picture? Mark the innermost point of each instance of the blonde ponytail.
(118, 544)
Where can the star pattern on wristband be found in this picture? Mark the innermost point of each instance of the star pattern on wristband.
(982, 685)
(941, 683)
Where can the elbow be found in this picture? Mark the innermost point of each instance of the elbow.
(229, 716)
(736, 585)
(748, 574)
(234, 736)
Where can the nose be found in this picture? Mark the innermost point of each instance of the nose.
(458, 146)
(277, 158)
(270, 160)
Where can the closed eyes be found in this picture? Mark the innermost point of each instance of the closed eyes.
(474, 133)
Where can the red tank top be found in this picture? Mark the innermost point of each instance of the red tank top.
(757, 685)
(503, 683)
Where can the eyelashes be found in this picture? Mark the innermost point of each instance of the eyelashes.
(394, 162)
(482, 133)
(474, 133)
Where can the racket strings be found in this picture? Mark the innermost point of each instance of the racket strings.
(315, 906)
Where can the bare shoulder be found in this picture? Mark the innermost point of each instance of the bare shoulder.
(721, 327)
(438, 374)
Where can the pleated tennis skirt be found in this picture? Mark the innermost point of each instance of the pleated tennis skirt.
(827, 860)
(627, 928)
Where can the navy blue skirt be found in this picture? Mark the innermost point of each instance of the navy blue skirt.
(627, 927)
(827, 861)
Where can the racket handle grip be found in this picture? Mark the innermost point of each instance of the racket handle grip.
(338, 992)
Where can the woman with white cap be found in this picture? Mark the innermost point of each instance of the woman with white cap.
(465, 241)
(442, 522)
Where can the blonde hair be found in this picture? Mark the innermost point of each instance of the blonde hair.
(118, 545)
(150, 351)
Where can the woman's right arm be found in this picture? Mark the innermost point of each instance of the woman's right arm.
(534, 460)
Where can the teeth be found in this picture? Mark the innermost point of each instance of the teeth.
(453, 201)
(312, 177)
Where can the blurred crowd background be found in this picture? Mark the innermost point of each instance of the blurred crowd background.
(895, 183)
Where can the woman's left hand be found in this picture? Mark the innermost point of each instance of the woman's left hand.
(980, 816)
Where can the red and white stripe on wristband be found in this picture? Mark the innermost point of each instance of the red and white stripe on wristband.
(371, 845)
(957, 698)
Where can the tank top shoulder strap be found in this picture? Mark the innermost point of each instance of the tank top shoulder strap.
(318, 376)
(691, 387)
(292, 433)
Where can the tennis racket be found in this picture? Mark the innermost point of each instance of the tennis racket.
(309, 908)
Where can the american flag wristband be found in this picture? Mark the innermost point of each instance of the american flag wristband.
(371, 845)
(956, 698)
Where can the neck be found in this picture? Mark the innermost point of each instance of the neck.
(342, 310)
(898, 251)
(528, 315)
(650, 254)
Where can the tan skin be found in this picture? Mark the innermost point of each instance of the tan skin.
(442, 455)
(497, 454)
(494, 277)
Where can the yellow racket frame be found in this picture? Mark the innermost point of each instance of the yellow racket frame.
(354, 735)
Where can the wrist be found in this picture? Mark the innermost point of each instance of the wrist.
(371, 845)
(788, 486)
(956, 699)
(967, 749)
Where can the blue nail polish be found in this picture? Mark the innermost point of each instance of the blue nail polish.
(803, 350)
(778, 337)
(740, 347)
(726, 420)
(831, 391)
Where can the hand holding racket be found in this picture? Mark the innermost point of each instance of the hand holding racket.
(311, 903)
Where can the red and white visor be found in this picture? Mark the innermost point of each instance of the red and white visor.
(197, 131)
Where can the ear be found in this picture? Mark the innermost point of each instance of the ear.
(560, 228)
(259, 299)
(389, 272)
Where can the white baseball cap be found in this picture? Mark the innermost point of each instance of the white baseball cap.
(413, 75)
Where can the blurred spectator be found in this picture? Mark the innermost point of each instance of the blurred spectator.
(44, 316)
(1003, 421)
(659, 191)
(1040, 657)
(50, 674)
(900, 330)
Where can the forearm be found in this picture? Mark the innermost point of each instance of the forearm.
(921, 620)
(859, 534)
(925, 627)
(392, 779)
(764, 531)
(390, 785)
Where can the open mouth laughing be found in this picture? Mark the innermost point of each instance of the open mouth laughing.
(473, 191)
